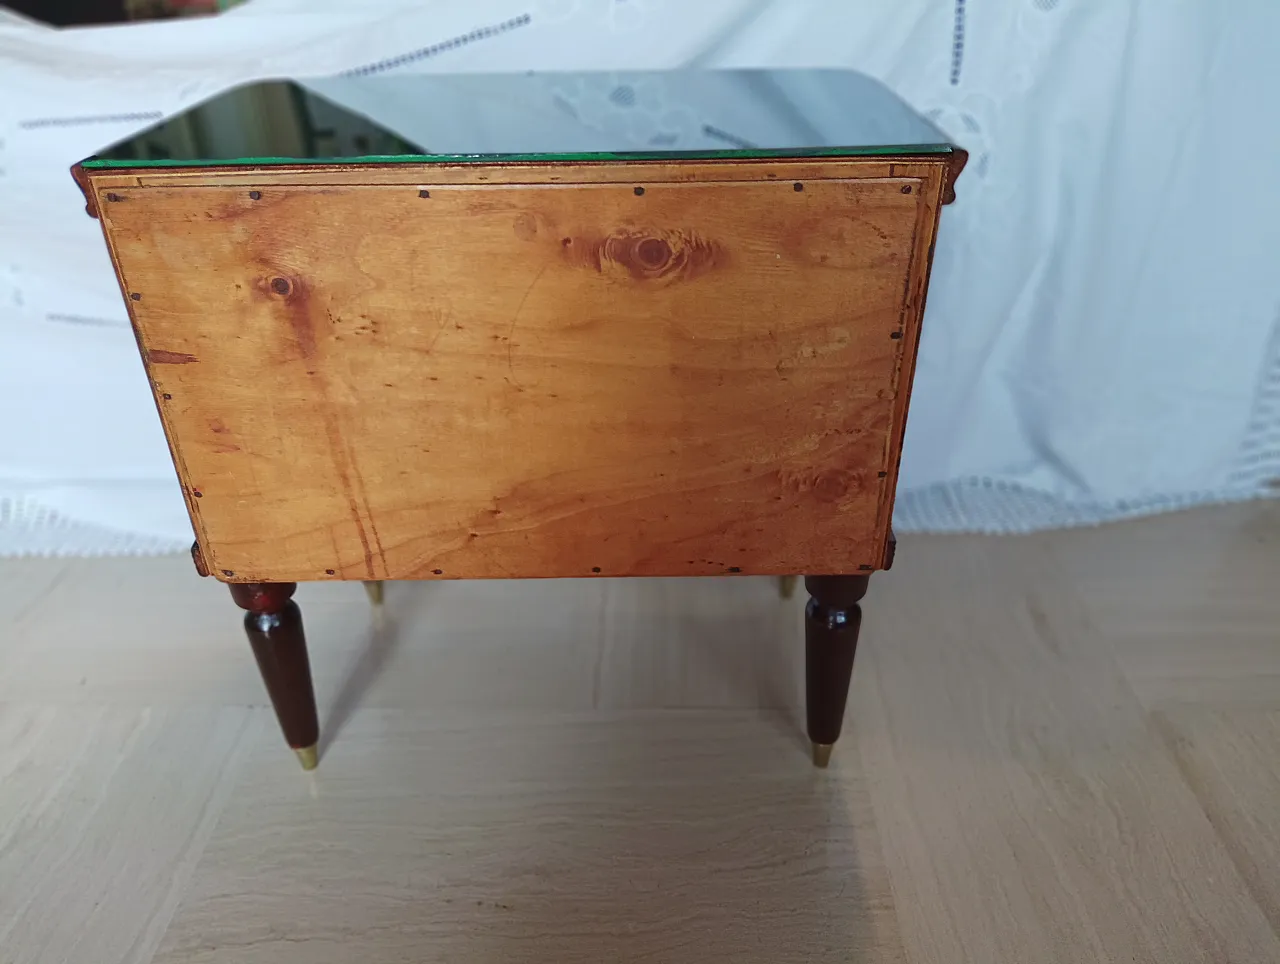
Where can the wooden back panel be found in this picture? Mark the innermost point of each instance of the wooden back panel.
(667, 375)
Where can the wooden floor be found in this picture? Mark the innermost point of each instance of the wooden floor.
(1060, 748)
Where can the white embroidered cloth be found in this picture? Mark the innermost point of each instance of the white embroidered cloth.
(1102, 333)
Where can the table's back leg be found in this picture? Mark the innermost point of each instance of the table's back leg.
(831, 621)
(273, 624)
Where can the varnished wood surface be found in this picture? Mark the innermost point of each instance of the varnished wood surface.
(832, 619)
(273, 624)
(575, 771)
(785, 170)
(622, 376)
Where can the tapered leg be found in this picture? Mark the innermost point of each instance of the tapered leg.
(374, 590)
(273, 624)
(831, 622)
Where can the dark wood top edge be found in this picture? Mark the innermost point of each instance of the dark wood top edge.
(956, 161)
(81, 176)
(197, 556)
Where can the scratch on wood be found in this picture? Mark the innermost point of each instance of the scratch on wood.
(515, 319)
(343, 463)
(364, 499)
(299, 315)
(158, 356)
(444, 323)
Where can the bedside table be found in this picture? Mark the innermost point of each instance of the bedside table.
(413, 365)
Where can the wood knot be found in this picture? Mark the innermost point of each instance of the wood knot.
(643, 256)
(647, 255)
(653, 252)
(281, 286)
(833, 485)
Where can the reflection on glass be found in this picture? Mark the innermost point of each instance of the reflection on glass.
(430, 117)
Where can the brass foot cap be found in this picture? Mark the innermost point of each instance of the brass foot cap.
(374, 589)
(307, 756)
(822, 754)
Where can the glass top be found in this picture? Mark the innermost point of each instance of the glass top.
(419, 118)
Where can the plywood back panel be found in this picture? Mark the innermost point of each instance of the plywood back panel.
(474, 380)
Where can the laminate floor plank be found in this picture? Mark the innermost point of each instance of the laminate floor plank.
(686, 836)
(1059, 747)
(104, 813)
(1228, 757)
(1187, 601)
(1029, 810)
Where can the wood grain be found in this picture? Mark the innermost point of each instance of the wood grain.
(916, 289)
(597, 756)
(1228, 758)
(784, 170)
(1188, 606)
(1019, 783)
(555, 839)
(386, 381)
(173, 641)
(930, 167)
(104, 813)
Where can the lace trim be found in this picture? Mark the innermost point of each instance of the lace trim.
(28, 528)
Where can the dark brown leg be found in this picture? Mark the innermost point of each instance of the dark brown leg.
(831, 622)
(273, 624)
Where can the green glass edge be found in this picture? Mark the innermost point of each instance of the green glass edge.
(736, 153)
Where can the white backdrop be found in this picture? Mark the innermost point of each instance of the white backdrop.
(1102, 335)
